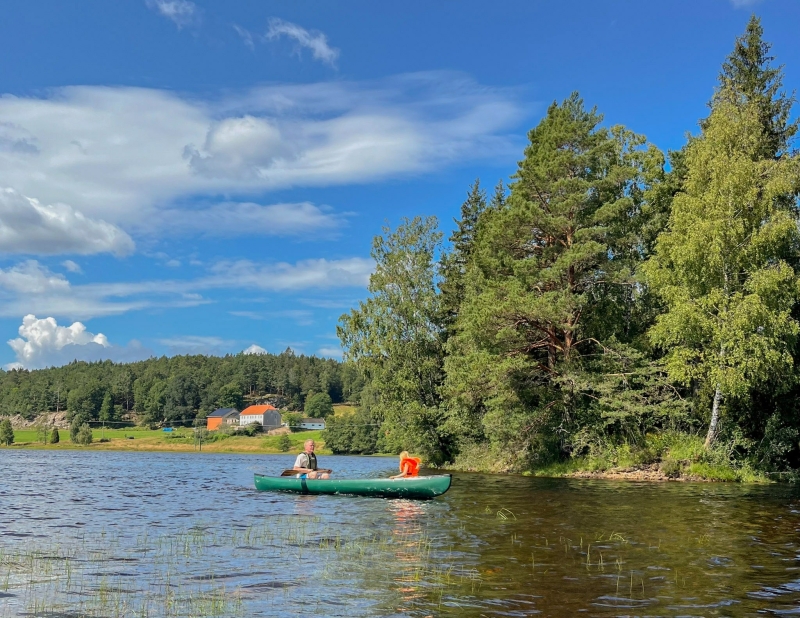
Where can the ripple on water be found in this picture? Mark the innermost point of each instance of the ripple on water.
(500, 546)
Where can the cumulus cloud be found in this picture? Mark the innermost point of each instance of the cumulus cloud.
(123, 155)
(26, 226)
(255, 349)
(43, 343)
(316, 41)
(181, 12)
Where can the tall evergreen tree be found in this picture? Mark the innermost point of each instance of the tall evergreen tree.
(565, 233)
(748, 78)
(454, 263)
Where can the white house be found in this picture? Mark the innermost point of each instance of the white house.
(267, 415)
(312, 423)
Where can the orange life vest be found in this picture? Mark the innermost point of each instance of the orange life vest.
(410, 465)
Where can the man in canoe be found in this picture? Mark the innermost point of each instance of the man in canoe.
(306, 463)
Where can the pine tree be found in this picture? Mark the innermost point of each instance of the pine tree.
(54, 437)
(454, 264)
(543, 259)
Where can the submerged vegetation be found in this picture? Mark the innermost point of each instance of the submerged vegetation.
(612, 307)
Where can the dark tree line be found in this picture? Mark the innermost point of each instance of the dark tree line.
(174, 389)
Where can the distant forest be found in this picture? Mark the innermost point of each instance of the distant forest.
(177, 389)
(612, 305)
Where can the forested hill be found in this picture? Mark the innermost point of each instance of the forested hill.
(175, 388)
(612, 304)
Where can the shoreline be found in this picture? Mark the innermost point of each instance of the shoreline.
(255, 446)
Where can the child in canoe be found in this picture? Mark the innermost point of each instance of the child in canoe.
(409, 466)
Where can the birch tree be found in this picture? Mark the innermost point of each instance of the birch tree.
(724, 267)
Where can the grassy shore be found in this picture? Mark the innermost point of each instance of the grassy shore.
(180, 440)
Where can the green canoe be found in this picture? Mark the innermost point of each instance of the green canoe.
(414, 487)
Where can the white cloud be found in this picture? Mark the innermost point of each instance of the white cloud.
(317, 42)
(30, 287)
(246, 36)
(330, 351)
(250, 219)
(317, 274)
(26, 226)
(43, 343)
(125, 155)
(196, 344)
(181, 12)
(255, 349)
(72, 266)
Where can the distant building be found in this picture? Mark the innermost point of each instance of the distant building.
(312, 423)
(220, 416)
(267, 415)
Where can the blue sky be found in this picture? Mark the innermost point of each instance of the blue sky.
(203, 176)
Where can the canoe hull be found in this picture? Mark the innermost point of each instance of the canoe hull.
(414, 488)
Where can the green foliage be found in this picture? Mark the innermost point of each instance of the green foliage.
(107, 411)
(552, 271)
(284, 443)
(42, 433)
(250, 429)
(292, 419)
(396, 337)
(319, 405)
(55, 438)
(83, 435)
(78, 421)
(6, 432)
(230, 396)
(724, 266)
(355, 433)
(173, 389)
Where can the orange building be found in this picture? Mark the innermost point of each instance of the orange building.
(221, 416)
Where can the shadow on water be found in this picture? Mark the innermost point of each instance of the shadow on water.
(196, 539)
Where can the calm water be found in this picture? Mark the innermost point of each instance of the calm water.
(162, 534)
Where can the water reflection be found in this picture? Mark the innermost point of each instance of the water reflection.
(95, 534)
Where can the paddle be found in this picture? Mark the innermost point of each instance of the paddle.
(295, 472)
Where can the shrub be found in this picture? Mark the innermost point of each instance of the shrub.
(284, 443)
(6, 432)
(54, 437)
(84, 436)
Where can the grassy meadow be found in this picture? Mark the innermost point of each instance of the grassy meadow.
(181, 439)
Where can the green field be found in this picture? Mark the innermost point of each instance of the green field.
(182, 439)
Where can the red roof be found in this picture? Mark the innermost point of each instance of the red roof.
(257, 409)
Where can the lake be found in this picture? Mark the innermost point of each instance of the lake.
(166, 534)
